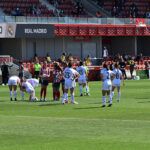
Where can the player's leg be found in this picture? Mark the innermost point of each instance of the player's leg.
(84, 87)
(119, 93)
(15, 92)
(41, 92)
(112, 91)
(80, 88)
(72, 96)
(87, 88)
(32, 95)
(65, 97)
(45, 92)
(57, 91)
(103, 98)
(21, 92)
(10, 92)
(54, 91)
(110, 97)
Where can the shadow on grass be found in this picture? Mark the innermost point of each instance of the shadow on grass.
(50, 104)
(144, 101)
(88, 107)
(142, 98)
(1, 101)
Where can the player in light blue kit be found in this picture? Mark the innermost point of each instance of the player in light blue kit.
(106, 76)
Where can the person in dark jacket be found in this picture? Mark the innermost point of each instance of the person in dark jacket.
(5, 73)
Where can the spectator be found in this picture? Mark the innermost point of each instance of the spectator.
(63, 57)
(147, 69)
(37, 68)
(21, 70)
(122, 68)
(88, 60)
(105, 53)
(98, 14)
(48, 58)
(5, 73)
(132, 67)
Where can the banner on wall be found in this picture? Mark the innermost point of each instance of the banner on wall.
(7, 30)
(2, 30)
(34, 31)
(10, 30)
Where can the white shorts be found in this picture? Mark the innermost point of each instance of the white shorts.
(82, 80)
(70, 84)
(30, 90)
(107, 85)
(12, 82)
(116, 83)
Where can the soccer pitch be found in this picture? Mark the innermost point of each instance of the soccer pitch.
(86, 126)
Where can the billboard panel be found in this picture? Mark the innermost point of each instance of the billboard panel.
(7, 30)
(35, 30)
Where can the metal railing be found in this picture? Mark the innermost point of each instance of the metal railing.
(68, 20)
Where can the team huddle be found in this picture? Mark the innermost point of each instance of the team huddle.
(68, 75)
(110, 81)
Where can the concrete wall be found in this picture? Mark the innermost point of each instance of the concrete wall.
(122, 45)
(26, 48)
(143, 45)
(10, 47)
(55, 47)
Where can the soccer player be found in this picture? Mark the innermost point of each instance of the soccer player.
(116, 81)
(34, 82)
(106, 75)
(12, 83)
(57, 76)
(70, 76)
(26, 86)
(87, 89)
(44, 74)
(82, 78)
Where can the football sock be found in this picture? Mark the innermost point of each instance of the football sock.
(15, 94)
(80, 87)
(72, 97)
(10, 94)
(119, 94)
(112, 94)
(87, 89)
(110, 99)
(104, 100)
(22, 94)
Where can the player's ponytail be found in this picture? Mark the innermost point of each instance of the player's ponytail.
(105, 66)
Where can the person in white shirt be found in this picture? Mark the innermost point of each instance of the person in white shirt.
(82, 78)
(26, 86)
(12, 84)
(117, 77)
(34, 82)
(105, 53)
(106, 75)
(70, 75)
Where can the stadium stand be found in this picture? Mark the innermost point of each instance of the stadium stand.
(68, 8)
(126, 8)
(25, 8)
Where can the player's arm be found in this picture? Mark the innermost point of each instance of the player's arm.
(112, 76)
(101, 76)
(77, 75)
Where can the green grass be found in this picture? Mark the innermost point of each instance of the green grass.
(87, 126)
